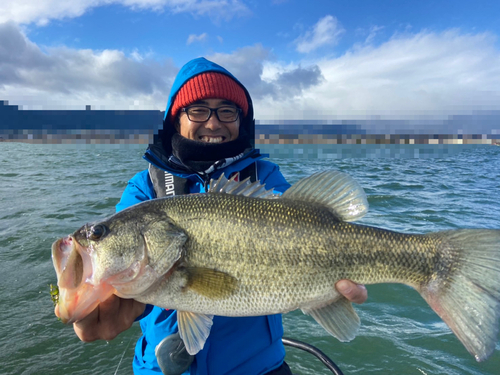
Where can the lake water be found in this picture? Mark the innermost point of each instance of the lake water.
(47, 191)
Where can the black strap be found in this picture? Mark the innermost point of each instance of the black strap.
(167, 185)
(250, 171)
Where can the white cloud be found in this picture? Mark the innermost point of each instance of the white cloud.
(217, 10)
(42, 12)
(373, 33)
(67, 76)
(370, 33)
(136, 56)
(326, 31)
(196, 38)
(409, 73)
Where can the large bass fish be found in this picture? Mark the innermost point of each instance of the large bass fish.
(241, 251)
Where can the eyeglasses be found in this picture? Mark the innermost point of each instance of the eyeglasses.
(201, 113)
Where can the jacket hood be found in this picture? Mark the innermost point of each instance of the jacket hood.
(162, 142)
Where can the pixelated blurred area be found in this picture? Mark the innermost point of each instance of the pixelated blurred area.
(78, 126)
(451, 130)
(88, 126)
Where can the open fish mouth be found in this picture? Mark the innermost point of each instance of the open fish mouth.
(77, 292)
(69, 263)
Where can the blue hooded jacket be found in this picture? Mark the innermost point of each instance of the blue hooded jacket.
(246, 345)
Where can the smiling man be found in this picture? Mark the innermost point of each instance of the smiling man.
(197, 123)
(208, 129)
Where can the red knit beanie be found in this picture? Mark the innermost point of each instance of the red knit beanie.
(210, 85)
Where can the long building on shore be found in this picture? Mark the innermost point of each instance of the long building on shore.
(139, 126)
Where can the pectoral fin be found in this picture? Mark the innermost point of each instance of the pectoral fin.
(338, 318)
(194, 330)
(210, 283)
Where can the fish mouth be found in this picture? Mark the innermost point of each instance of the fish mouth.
(211, 139)
(78, 296)
(68, 262)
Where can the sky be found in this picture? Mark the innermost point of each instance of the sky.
(317, 59)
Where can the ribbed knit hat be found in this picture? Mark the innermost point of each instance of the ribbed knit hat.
(209, 85)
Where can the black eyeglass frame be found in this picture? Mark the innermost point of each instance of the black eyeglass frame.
(212, 110)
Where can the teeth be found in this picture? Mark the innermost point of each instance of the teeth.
(211, 139)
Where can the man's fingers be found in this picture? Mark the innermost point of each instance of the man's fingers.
(353, 292)
(87, 329)
(109, 319)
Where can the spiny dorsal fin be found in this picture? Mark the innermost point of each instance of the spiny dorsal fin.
(245, 187)
(337, 190)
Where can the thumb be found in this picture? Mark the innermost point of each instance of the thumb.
(353, 292)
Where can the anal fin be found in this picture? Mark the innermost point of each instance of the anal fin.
(338, 318)
(194, 330)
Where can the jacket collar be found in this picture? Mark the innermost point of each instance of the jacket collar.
(173, 165)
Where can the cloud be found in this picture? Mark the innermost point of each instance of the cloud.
(249, 64)
(447, 72)
(217, 10)
(326, 31)
(42, 12)
(70, 76)
(294, 82)
(369, 33)
(196, 38)
(373, 33)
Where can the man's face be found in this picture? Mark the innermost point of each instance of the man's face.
(212, 130)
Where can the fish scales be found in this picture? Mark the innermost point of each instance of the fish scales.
(254, 254)
(274, 247)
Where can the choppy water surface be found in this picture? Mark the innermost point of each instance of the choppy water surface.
(48, 191)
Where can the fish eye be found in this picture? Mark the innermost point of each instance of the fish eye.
(97, 231)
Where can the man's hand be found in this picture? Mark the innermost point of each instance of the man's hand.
(108, 320)
(353, 292)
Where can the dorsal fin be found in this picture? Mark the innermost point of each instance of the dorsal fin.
(336, 190)
(245, 187)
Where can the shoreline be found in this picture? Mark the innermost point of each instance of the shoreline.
(275, 139)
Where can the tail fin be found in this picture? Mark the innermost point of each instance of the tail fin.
(468, 298)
